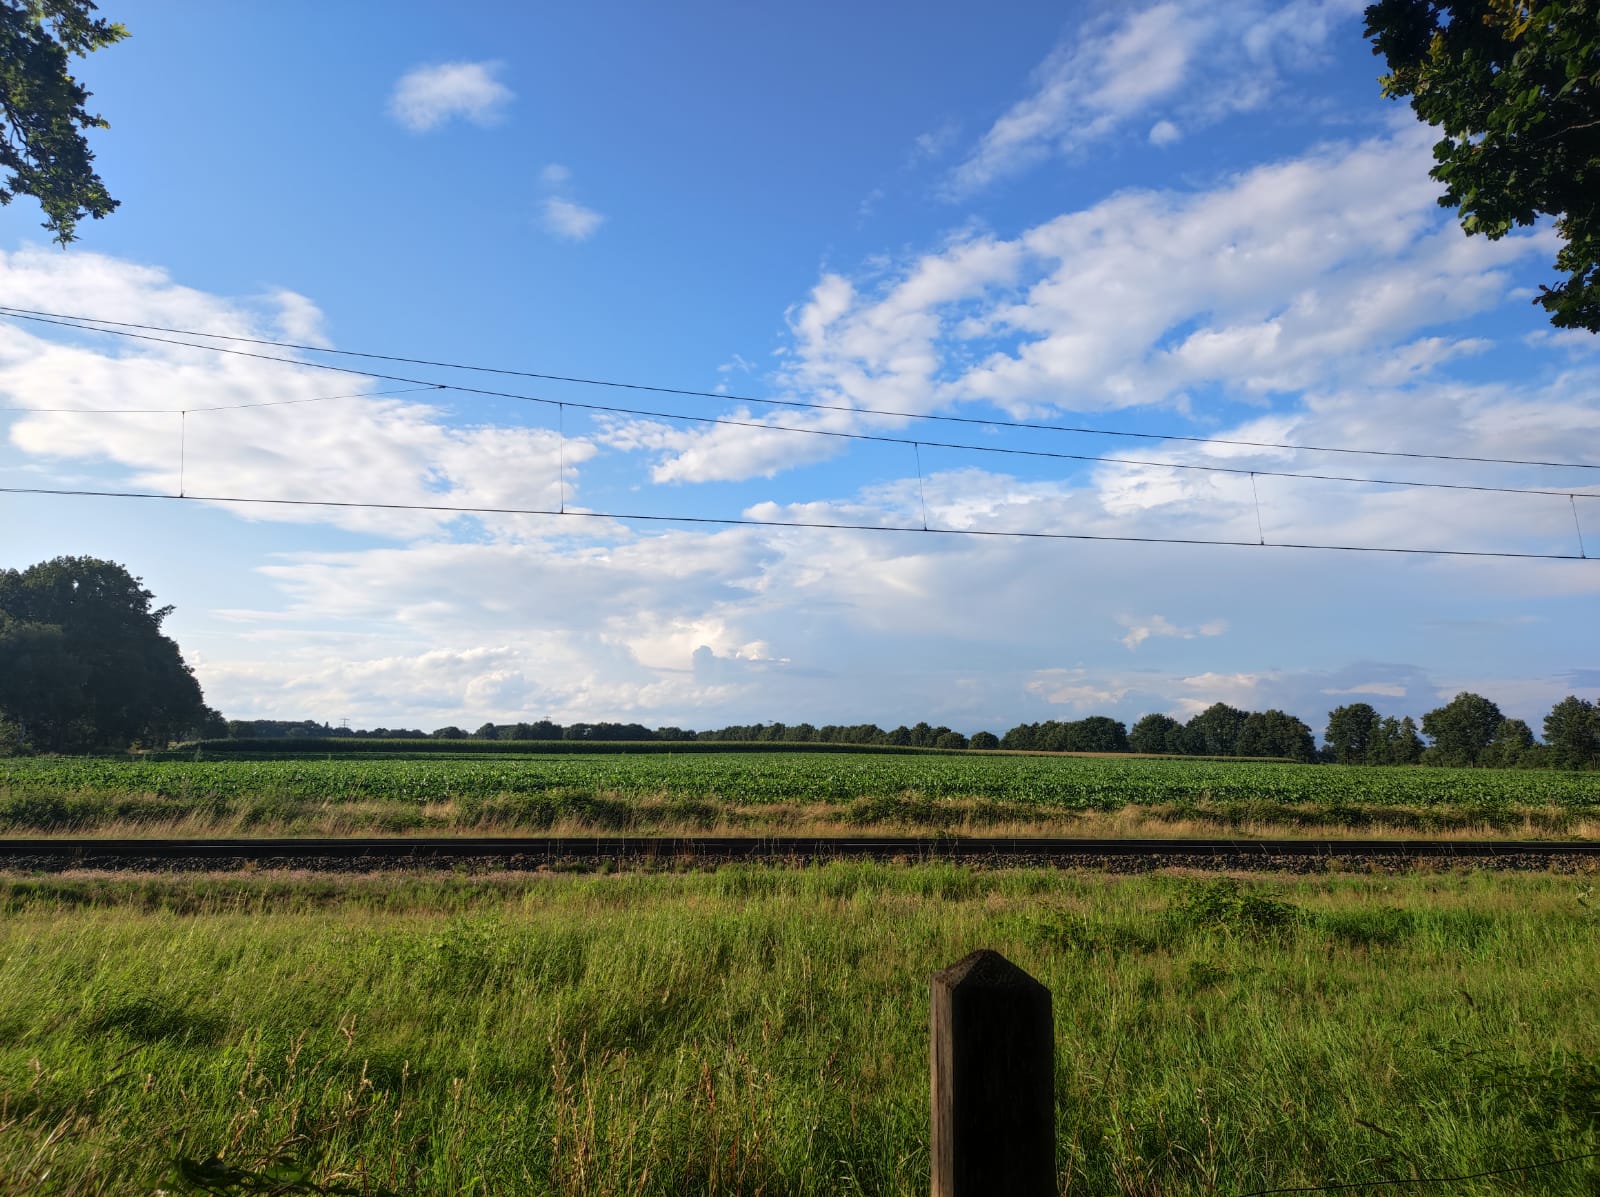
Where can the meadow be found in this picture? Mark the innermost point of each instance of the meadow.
(753, 792)
(761, 1030)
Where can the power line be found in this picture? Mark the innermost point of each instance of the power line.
(748, 522)
(84, 323)
(879, 438)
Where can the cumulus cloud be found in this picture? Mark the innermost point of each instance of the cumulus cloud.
(1142, 628)
(429, 96)
(1324, 277)
(429, 618)
(697, 627)
(563, 216)
(569, 220)
(1165, 133)
(1130, 62)
(1075, 688)
(253, 429)
(1289, 275)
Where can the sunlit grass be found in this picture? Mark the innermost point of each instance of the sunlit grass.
(762, 1030)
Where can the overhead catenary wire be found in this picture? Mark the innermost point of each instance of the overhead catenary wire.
(880, 438)
(87, 323)
(753, 522)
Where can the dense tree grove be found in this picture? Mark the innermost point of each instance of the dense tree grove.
(84, 664)
(1572, 734)
(1094, 734)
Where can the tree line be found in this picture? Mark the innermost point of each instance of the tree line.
(1468, 731)
(84, 666)
(922, 735)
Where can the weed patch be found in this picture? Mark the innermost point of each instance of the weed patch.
(1226, 905)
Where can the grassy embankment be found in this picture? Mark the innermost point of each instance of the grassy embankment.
(764, 1031)
(756, 793)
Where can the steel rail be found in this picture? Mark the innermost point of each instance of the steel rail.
(776, 847)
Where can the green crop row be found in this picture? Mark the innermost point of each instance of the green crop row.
(1081, 783)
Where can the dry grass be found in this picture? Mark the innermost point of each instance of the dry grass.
(662, 816)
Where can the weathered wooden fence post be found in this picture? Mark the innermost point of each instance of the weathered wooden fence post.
(992, 1078)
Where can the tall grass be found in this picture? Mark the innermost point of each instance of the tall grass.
(756, 1030)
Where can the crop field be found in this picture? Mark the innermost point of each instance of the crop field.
(661, 792)
(764, 1030)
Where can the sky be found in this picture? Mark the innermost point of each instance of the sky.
(945, 235)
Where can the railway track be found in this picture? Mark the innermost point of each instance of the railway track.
(576, 853)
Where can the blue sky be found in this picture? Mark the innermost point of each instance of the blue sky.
(1167, 218)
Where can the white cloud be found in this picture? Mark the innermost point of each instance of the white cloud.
(1236, 689)
(564, 217)
(935, 143)
(1387, 689)
(424, 619)
(1142, 628)
(1075, 688)
(283, 442)
(299, 319)
(427, 96)
(1165, 133)
(1315, 272)
(569, 220)
(1199, 58)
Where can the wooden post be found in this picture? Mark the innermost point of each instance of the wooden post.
(992, 1078)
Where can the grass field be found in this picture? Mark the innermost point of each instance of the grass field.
(758, 1030)
(754, 792)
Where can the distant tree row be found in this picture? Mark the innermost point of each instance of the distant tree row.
(1094, 734)
(1469, 730)
(921, 736)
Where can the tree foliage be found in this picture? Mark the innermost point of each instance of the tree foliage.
(1514, 85)
(1572, 733)
(83, 661)
(1214, 731)
(1462, 729)
(1398, 742)
(1276, 733)
(1097, 733)
(1154, 733)
(1352, 734)
(42, 109)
